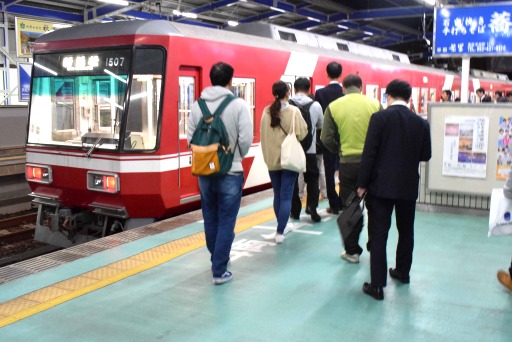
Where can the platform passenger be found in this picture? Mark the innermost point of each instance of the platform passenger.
(221, 195)
(397, 141)
(325, 96)
(311, 176)
(505, 277)
(482, 96)
(276, 122)
(446, 95)
(345, 125)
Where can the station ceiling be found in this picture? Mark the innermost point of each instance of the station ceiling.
(398, 25)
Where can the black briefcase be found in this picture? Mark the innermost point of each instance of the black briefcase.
(351, 218)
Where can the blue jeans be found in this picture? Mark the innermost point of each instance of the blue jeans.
(283, 182)
(220, 202)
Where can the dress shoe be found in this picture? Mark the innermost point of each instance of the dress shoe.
(375, 291)
(332, 211)
(295, 217)
(314, 215)
(398, 276)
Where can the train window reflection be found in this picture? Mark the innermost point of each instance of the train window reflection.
(187, 96)
(145, 95)
(244, 88)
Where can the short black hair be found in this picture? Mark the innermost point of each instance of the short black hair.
(399, 89)
(480, 90)
(499, 93)
(334, 69)
(221, 74)
(448, 92)
(302, 84)
(352, 81)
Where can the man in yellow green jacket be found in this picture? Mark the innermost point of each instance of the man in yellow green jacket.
(344, 131)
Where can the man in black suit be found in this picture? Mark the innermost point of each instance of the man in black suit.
(325, 96)
(396, 142)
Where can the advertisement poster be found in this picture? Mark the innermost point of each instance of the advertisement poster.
(24, 75)
(504, 157)
(27, 31)
(465, 146)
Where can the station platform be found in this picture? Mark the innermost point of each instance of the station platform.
(158, 287)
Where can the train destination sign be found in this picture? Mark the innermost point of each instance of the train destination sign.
(473, 31)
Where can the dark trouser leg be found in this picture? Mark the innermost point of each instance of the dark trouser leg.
(296, 203)
(330, 183)
(348, 178)
(311, 178)
(510, 270)
(379, 222)
(404, 213)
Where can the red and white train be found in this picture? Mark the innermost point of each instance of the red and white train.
(106, 143)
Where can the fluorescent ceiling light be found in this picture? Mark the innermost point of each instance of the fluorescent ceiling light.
(313, 19)
(430, 2)
(368, 33)
(115, 2)
(232, 23)
(189, 15)
(185, 14)
(343, 27)
(61, 25)
(277, 9)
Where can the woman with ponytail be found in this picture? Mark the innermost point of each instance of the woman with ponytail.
(276, 122)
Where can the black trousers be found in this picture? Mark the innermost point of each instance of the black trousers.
(348, 173)
(379, 223)
(330, 162)
(311, 179)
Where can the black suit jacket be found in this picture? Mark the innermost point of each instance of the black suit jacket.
(327, 94)
(396, 142)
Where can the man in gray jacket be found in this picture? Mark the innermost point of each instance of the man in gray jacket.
(221, 195)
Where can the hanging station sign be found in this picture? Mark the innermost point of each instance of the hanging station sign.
(473, 31)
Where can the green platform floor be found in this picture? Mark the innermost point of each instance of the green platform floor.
(298, 291)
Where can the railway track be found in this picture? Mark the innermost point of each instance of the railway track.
(17, 228)
(17, 239)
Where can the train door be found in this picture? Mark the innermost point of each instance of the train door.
(188, 93)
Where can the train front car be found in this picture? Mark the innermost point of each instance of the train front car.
(94, 161)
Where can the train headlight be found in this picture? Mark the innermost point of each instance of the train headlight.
(38, 173)
(104, 182)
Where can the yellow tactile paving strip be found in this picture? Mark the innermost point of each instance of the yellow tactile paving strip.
(58, 293)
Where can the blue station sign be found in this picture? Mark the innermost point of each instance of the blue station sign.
(473, 31)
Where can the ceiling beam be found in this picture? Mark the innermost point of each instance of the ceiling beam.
(391, 13)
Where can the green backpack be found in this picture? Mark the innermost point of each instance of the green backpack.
(211, 153)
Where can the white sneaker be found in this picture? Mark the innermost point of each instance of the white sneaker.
(351, 258)
(279, 238)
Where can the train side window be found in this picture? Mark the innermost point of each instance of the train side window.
(187, 97)
(145, 100)
(244, 88)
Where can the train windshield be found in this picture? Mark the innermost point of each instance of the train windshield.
(81, 99)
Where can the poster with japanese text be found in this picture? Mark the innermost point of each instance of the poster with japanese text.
(465, 146)
(504, 158)
(27, 31)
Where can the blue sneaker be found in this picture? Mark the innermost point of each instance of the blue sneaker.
(227, 276)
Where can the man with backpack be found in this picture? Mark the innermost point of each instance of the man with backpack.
(221, 194)
(312, 113)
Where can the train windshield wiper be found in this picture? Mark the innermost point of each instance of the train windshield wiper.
(96, 143)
